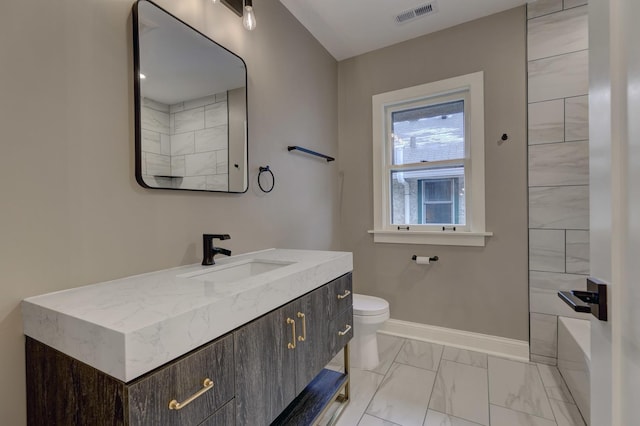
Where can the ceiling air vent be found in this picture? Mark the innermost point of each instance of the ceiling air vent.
(417, 12)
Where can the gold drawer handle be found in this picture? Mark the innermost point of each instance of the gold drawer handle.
(346, 330)
(206, 385)
(293, 331)
(345, 294)
(304, 327)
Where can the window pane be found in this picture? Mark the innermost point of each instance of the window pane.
(438, 190)
(428, 196)
(429, 133)
(438, 213)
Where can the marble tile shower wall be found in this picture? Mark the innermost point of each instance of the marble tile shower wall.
(558, 84)
(188, 139)
(199, 142)
(156, 139)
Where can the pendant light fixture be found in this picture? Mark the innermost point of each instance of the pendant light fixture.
(248, 17)
(242, 8)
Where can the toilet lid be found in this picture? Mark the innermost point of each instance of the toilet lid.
(369, 305)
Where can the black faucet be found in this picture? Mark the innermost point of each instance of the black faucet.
(209, 250)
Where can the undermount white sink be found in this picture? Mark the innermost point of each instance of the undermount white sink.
(236, 271)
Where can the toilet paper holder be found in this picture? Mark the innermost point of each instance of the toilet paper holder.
(431, 258)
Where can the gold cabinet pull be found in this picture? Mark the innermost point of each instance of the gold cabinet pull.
(304, 327)
(206, 385)
(292, 345)
(345, 294)
(345, 331)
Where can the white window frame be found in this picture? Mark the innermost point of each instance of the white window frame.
(473, 233)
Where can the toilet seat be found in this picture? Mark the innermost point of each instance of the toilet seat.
(364, 305)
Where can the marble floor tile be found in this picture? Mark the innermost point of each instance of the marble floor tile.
(501, 416)
(518, 386)
(435, 418)
(368, 420)
(388, 348)
(403, 395)
(461, 390)
(420, 354)
(463, 356)
(363, 386)
(554, 383)
(566, 414)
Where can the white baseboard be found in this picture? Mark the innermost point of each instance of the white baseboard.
(493, 345)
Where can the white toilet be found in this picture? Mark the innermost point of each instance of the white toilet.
(369, 313)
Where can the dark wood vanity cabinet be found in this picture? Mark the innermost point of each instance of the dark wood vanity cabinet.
(265, 367)
(64, 391)
(255, 372)
(278, 355)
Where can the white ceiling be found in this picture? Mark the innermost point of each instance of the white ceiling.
(348, 28)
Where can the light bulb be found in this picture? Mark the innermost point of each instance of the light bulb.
(215, 1)
(248, 17)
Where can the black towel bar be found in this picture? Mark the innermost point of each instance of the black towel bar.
(308, 151)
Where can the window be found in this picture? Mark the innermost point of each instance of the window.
(439, 201)
(428, 149)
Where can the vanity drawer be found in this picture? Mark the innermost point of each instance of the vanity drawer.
(149, 398)
(341, 331)
(226, 416)
(340, 295)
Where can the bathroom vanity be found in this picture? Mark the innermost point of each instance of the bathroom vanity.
(243, 342)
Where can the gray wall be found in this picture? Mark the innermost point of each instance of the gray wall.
(478, 289)
(72, 212)
(558, 165)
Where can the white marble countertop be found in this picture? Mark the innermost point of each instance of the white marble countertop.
(128, 327)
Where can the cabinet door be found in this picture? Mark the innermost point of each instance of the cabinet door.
(313, 347)
(265, 368)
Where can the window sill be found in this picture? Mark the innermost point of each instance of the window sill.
(443, 238)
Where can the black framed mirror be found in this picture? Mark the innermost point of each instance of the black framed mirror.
(190, 105)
